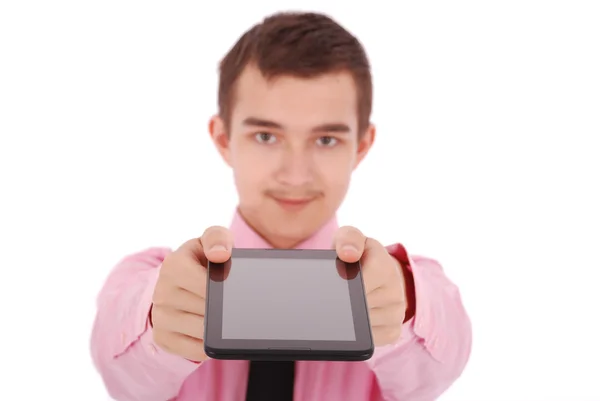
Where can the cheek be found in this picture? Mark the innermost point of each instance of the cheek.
(251, 175)
(337, 178)
(339, 188)
(249, 156)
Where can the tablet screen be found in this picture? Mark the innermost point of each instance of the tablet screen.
(286, 299)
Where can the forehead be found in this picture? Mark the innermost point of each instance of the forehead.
(294, 101)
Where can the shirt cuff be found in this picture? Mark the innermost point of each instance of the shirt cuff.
(425, 278)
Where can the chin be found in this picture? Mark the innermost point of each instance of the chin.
(291, 229)
(287, 240)
(295, 230)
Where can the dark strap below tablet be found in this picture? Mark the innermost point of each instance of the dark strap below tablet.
(271, 381)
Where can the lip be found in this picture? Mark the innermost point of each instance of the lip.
(294, 204)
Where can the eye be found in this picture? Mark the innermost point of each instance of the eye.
(265, 137)
(327, 141)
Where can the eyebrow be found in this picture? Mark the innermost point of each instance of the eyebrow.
(319, 129)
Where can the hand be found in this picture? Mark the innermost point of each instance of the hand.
(178, 303)
(383, 280)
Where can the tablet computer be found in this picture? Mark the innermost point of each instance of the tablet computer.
(274, 304)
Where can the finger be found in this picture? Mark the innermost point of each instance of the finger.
(189, 302)
(193, 248)
(217, 243)
(181, 299)
(183, 270)
(392, 293)
(349, 243)
(179, 344)
(377, 298)
(386, 335)
(178, 321)
(392, 315)
(377, 265)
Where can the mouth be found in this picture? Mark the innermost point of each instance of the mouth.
(293, 203)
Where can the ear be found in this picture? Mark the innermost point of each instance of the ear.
(364, 144)
(220, 137)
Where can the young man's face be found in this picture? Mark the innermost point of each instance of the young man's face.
(293, 144)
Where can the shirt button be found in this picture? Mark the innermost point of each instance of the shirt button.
(123, 338)
(152, 349)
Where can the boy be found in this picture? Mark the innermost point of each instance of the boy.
(295, 99)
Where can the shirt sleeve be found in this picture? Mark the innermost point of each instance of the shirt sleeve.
(435, 344)
(131, 365)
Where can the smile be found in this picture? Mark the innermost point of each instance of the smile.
(293, 204)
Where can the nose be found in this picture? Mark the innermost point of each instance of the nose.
(296, 167)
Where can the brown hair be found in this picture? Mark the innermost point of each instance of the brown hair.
(298, 44)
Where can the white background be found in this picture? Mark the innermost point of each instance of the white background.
(488, 159)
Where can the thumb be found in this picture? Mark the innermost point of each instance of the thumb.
(217, 243)
(349, 243)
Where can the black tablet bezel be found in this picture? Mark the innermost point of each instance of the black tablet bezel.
(218, 348)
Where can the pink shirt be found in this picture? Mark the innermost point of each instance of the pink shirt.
(429, 357)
